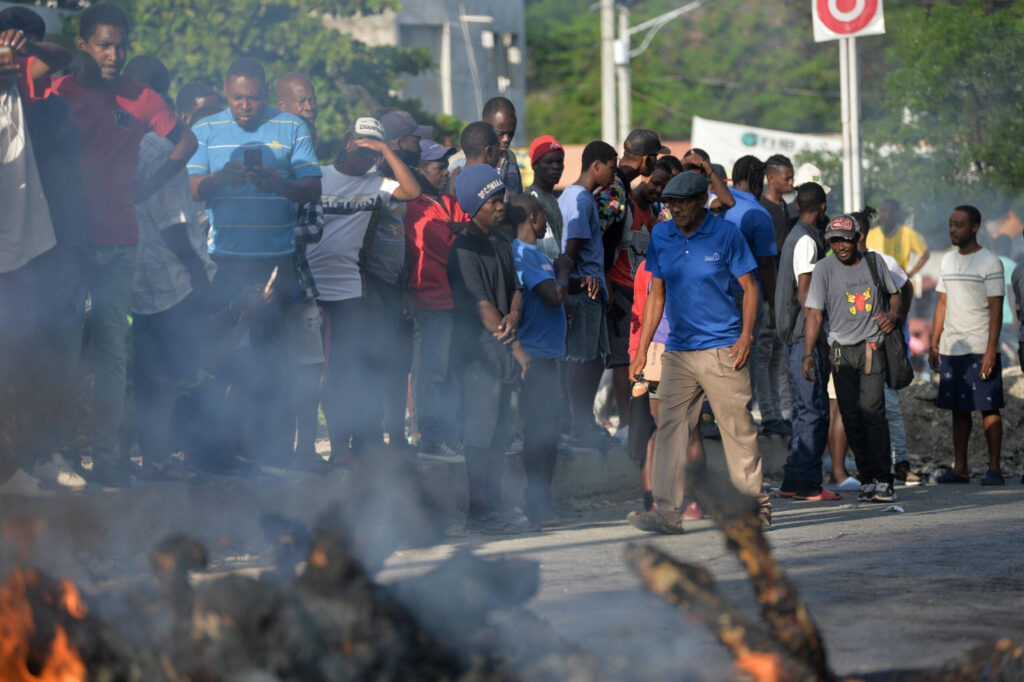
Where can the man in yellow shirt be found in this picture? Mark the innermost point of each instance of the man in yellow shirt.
(898, 241)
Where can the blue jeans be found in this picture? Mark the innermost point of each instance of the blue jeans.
(810, 424)
(435, 393)
(894, 415)
(765, 366)
(110, 288)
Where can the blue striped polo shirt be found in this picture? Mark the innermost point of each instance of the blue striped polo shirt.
(245, 222)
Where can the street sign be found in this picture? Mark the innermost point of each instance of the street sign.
(835, 19)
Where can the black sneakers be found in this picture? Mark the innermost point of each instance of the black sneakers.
(877, 491)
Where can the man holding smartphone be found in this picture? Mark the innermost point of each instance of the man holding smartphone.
(254, 163)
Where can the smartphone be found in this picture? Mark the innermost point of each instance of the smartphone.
(253, 158)
(6, 55)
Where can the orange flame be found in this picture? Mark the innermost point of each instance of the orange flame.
(17, 630)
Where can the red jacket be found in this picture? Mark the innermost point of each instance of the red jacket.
(428, 239)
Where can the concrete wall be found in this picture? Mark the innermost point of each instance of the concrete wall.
(496, 46)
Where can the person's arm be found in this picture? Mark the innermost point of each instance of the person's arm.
(995, 324)
(920, 263)
(185, 145)
(723, 200)
(906, 294)
(408, 187)
(653, 310)
(176, 239)
(766, 269)
(811, 333)
(740, 351)
(938, 321)
(300, 190)
(48, 57)
(490, 317)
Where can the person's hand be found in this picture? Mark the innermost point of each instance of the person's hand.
(591, 286)
(933, 359)
(267, 180)
(636, 368)
(695, 159)
(369, 143)
(15, 39)
(233, 174)
(740, 351)
(988, 363)
(507, 328)
(807, 367)
(522, 357)
(886, 321)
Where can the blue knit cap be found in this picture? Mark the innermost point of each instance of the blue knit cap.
(474, 185)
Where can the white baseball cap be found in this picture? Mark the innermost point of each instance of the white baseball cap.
(808, 172)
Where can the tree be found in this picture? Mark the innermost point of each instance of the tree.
(198, 39)
(734, 60)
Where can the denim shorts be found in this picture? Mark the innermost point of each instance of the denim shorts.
(588, 329)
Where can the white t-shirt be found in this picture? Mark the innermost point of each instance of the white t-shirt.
(805, 253)
(348, 204)
(968, 282)
(899, 275)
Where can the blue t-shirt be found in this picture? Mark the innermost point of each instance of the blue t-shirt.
(757, 226)
(245, 222)
(697, 270)
(543, 327)
(580, 221)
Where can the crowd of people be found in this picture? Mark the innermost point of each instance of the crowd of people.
(198, 247)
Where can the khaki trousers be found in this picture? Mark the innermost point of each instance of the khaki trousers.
(686, 378)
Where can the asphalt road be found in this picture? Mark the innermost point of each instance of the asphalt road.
(887, 589)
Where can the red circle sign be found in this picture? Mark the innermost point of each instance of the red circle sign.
(846, 16)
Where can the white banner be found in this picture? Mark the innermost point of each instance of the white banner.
(727, 142)
(835, 19)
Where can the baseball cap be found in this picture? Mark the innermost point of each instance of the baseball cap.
(808, 172)
(368, 127)
(474, 185)
(400, 123)
(685, 185)
(542, 145)
(843, 227)
(432, 151)
(643, 142)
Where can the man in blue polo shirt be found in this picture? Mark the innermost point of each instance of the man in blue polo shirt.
(693, 259)
(542, 332)
(253, 165)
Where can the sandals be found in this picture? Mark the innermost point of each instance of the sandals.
(825, 495)
(950, 476)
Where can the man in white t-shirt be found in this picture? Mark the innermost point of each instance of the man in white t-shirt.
(965, 343)
(354, 202)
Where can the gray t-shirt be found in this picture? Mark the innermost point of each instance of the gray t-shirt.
(847, 295)
(551, 244)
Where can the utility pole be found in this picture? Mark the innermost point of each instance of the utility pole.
(624, 77)
(608, 119)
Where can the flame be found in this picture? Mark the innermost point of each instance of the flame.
(17, 631)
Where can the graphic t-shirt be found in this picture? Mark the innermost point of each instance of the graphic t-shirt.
(848, 296)
(348, 203)
(543, 327)
(904, 242)
(111, 123)
(580, 221)
(637, 238)
(245, 222)
(968, 282)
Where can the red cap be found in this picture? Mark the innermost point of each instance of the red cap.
(542, 145)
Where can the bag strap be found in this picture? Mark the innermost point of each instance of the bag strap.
(881, 291)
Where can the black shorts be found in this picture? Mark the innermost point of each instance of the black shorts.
(618, 325)
(166, 344)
